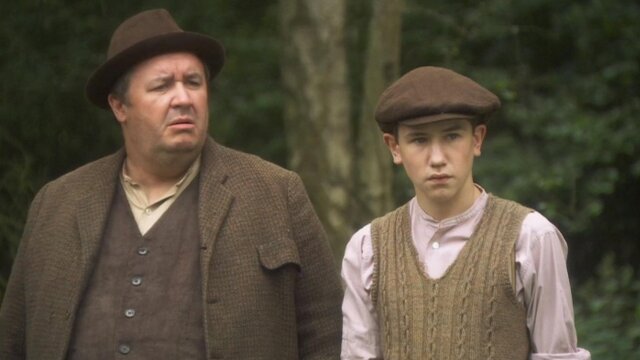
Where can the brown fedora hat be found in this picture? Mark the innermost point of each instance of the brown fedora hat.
(142, 36)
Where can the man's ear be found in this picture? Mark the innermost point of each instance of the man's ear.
(479, 133)
(118, 107)
(392, 143)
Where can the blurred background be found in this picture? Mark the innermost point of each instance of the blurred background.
(299, 88)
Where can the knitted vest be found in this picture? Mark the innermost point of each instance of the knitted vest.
(471, 312)
(144, 298)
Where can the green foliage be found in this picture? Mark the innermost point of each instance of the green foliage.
(607, 312)
(565, 141)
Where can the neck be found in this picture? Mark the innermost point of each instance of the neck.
(156, 176)
(450, 208)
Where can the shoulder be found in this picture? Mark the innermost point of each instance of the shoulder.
(533, 222)
(537, 224)
(357, 262)
(393, 215)
(509, 206)
(540, 239)
(359, 244)
(536, 231)
(238, 165)
(86, 177)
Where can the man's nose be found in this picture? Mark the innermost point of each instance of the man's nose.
(181, 95)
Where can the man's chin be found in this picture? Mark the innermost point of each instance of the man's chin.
(184, 147)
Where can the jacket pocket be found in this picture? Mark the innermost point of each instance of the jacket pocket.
(276, 254)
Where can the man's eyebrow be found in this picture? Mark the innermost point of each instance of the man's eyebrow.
(162, 78)
(194, 73)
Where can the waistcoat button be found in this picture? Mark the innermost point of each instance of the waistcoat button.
(136, 280)
(124, 349)
(130, 313)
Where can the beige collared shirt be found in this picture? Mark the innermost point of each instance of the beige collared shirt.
(146, 214)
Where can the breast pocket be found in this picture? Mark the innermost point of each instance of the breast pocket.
(279, 254)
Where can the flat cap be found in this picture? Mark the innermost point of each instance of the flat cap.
(427, 94)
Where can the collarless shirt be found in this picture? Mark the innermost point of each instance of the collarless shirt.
(541, 280)
(145, 213)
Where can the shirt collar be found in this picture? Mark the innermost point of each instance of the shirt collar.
(137, 195)
(475, 210)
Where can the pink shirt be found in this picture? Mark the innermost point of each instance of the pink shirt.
(541, 280)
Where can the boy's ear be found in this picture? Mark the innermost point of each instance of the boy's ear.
(479, 133)
(392, 143)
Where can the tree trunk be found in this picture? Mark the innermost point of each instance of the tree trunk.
(375, 168)
(316, 108)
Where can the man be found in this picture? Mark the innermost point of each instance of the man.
(174, 247)
(456, 273)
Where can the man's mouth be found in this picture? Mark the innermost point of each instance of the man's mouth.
(182, 123)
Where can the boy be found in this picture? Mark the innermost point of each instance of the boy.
(455, 273)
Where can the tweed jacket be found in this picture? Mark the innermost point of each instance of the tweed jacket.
(270, 286)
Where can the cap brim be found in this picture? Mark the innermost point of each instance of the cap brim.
(208, 49)
(433, 118)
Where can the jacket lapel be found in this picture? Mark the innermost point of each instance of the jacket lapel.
(214, 200)
(94, 208)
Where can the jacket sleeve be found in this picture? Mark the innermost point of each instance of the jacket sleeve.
(318, 291)
(13, 309)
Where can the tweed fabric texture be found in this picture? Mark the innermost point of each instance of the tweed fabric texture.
(270, 287)
(471, 312)
(429, 93)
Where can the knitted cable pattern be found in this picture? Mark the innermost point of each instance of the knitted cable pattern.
(469, 273)
(402, 272)
(468, 313)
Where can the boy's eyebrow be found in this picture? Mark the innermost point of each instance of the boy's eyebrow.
(416, 132)
(453, 127)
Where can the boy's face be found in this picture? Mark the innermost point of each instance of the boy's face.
(438, 158)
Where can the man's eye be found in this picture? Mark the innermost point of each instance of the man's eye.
(159, 87)
(194, 82)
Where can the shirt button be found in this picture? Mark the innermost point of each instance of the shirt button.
(435, 245)
(143, 251)
(130, 313)
(147, 211)
(136, 280)
(124, 349)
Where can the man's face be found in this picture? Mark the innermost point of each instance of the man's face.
(166, 109)
(438, 158)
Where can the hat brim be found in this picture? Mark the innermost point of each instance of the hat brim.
(433, 118)
(388, 127)
(208, 49)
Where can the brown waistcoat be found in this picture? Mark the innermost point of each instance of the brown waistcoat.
(471, 312)
(143, 299)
